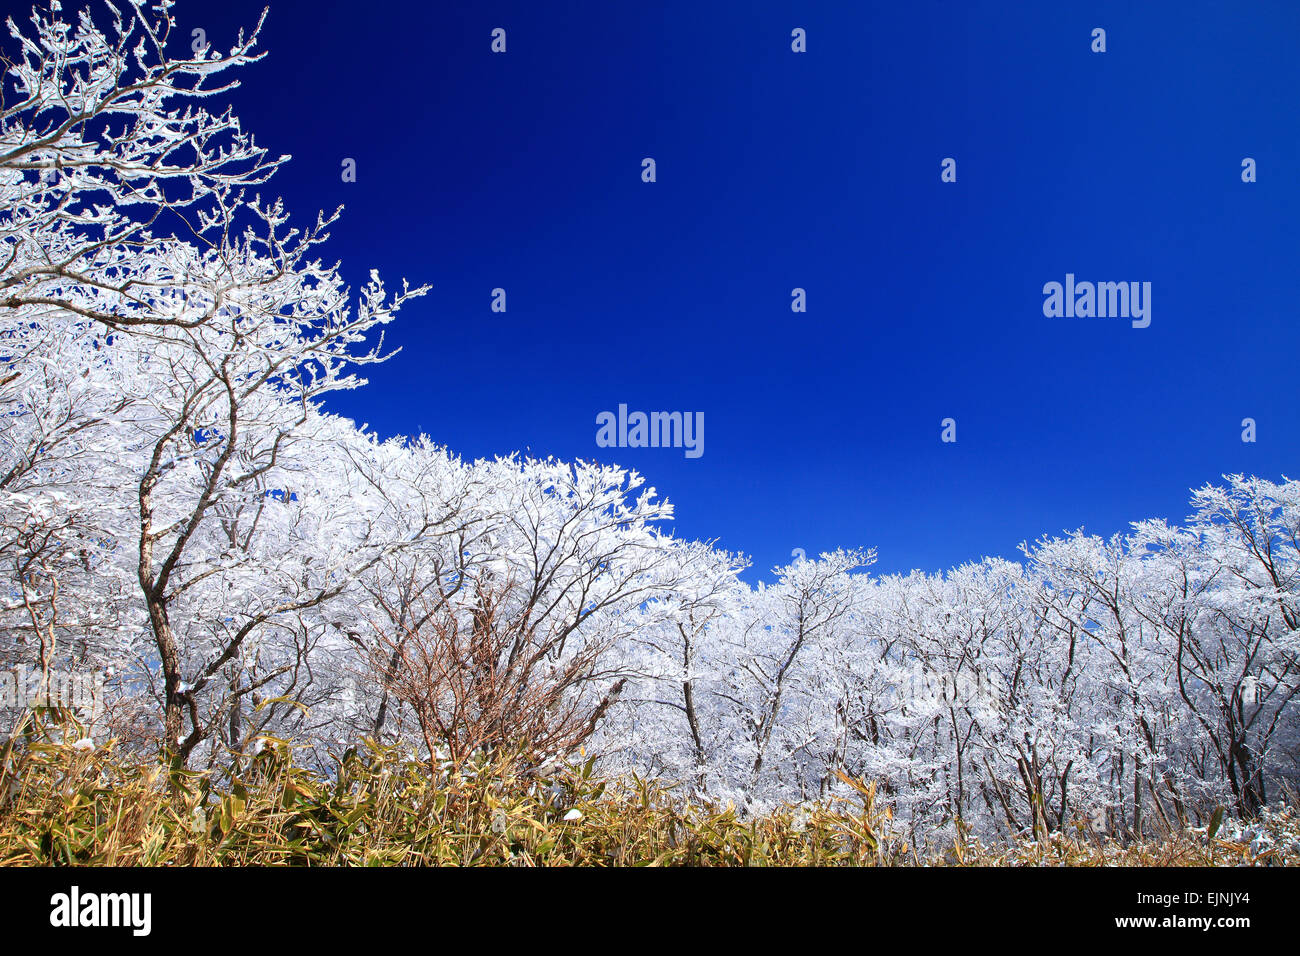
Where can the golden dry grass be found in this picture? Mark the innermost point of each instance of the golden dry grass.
(60, 804)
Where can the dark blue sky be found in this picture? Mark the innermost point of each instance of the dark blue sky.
(822, 171)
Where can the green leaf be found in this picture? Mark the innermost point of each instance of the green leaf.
(1216, 821)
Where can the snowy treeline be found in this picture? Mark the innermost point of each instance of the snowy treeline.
(179, 509)
(1127, 682)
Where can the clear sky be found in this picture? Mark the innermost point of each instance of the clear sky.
(818, 170)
